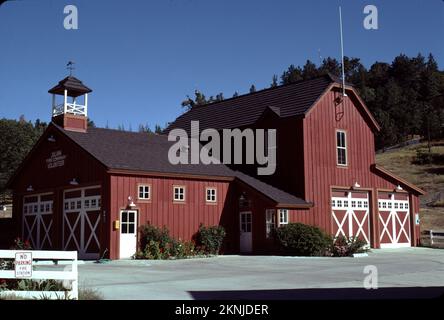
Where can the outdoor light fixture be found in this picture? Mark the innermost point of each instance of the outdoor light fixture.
(399, 188)
(30, 188)
(131, 203)
(74, 182)
(356, 185)
(51, 139)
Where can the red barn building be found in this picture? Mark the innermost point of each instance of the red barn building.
(89, 189)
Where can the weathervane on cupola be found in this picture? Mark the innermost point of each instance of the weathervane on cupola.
(70, 113)
(70, 67)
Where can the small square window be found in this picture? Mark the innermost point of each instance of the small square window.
(359, 204)
(365, 204)
(406, 206)
(339, 203)
(66, 205)
(144, 192)
(333, 203)
(211, 195)
(79, 204)
(93, 203)
(345, 203)
(389, 205)
(72, 205)
(179, 194)
(353, 204)
(47, 207)
(86, 204)
(283, 216)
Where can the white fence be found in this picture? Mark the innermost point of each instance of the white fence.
(67, 275)
(436, 238)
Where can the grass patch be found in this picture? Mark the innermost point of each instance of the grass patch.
(90, 294)
(427, 176)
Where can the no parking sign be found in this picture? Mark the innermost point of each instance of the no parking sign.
(23, 265)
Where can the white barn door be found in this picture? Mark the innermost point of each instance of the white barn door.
(38, 220)
(81, 222)
(394, 220)
(350, 214)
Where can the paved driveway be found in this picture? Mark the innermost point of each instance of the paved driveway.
(401, 274)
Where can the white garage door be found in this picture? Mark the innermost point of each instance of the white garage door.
(81, 222)
(38, 220)
(350, 214)
(394, 220)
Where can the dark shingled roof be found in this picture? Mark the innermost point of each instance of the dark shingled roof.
(279, 196)
(136, 151)
(287, 100)
(74, 86)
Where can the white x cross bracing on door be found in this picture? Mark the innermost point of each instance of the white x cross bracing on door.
(356, 210)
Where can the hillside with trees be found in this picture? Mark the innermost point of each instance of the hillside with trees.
(406, 96)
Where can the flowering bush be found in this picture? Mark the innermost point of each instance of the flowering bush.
(19, 244)
(345, 247)
(210, 239)
(156, 243)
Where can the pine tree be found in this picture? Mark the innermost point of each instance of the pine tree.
(274, 81)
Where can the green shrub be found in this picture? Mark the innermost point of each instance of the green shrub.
(150, 233)
(303, 240)
(185, 250)
(156, 243)
(210, 239)
(345, 247)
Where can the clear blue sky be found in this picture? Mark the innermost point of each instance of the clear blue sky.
(142, 58)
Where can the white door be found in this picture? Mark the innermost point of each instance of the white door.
(350, 214)
(246, 239)
(128, 234)
(81, 222)
(394, 220)
(37, 220)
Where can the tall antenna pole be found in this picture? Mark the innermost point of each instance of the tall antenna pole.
(342, 53)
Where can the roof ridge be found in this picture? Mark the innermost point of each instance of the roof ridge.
(129, 132)
(328, 75)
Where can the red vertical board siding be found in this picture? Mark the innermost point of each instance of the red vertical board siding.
(34, 172)
(182, 219)
(321, 170)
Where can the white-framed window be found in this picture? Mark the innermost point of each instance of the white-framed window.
(270, 222)
(144, 192)
(341, 148)
(179, 193)
(283, 216)
(211, 195)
